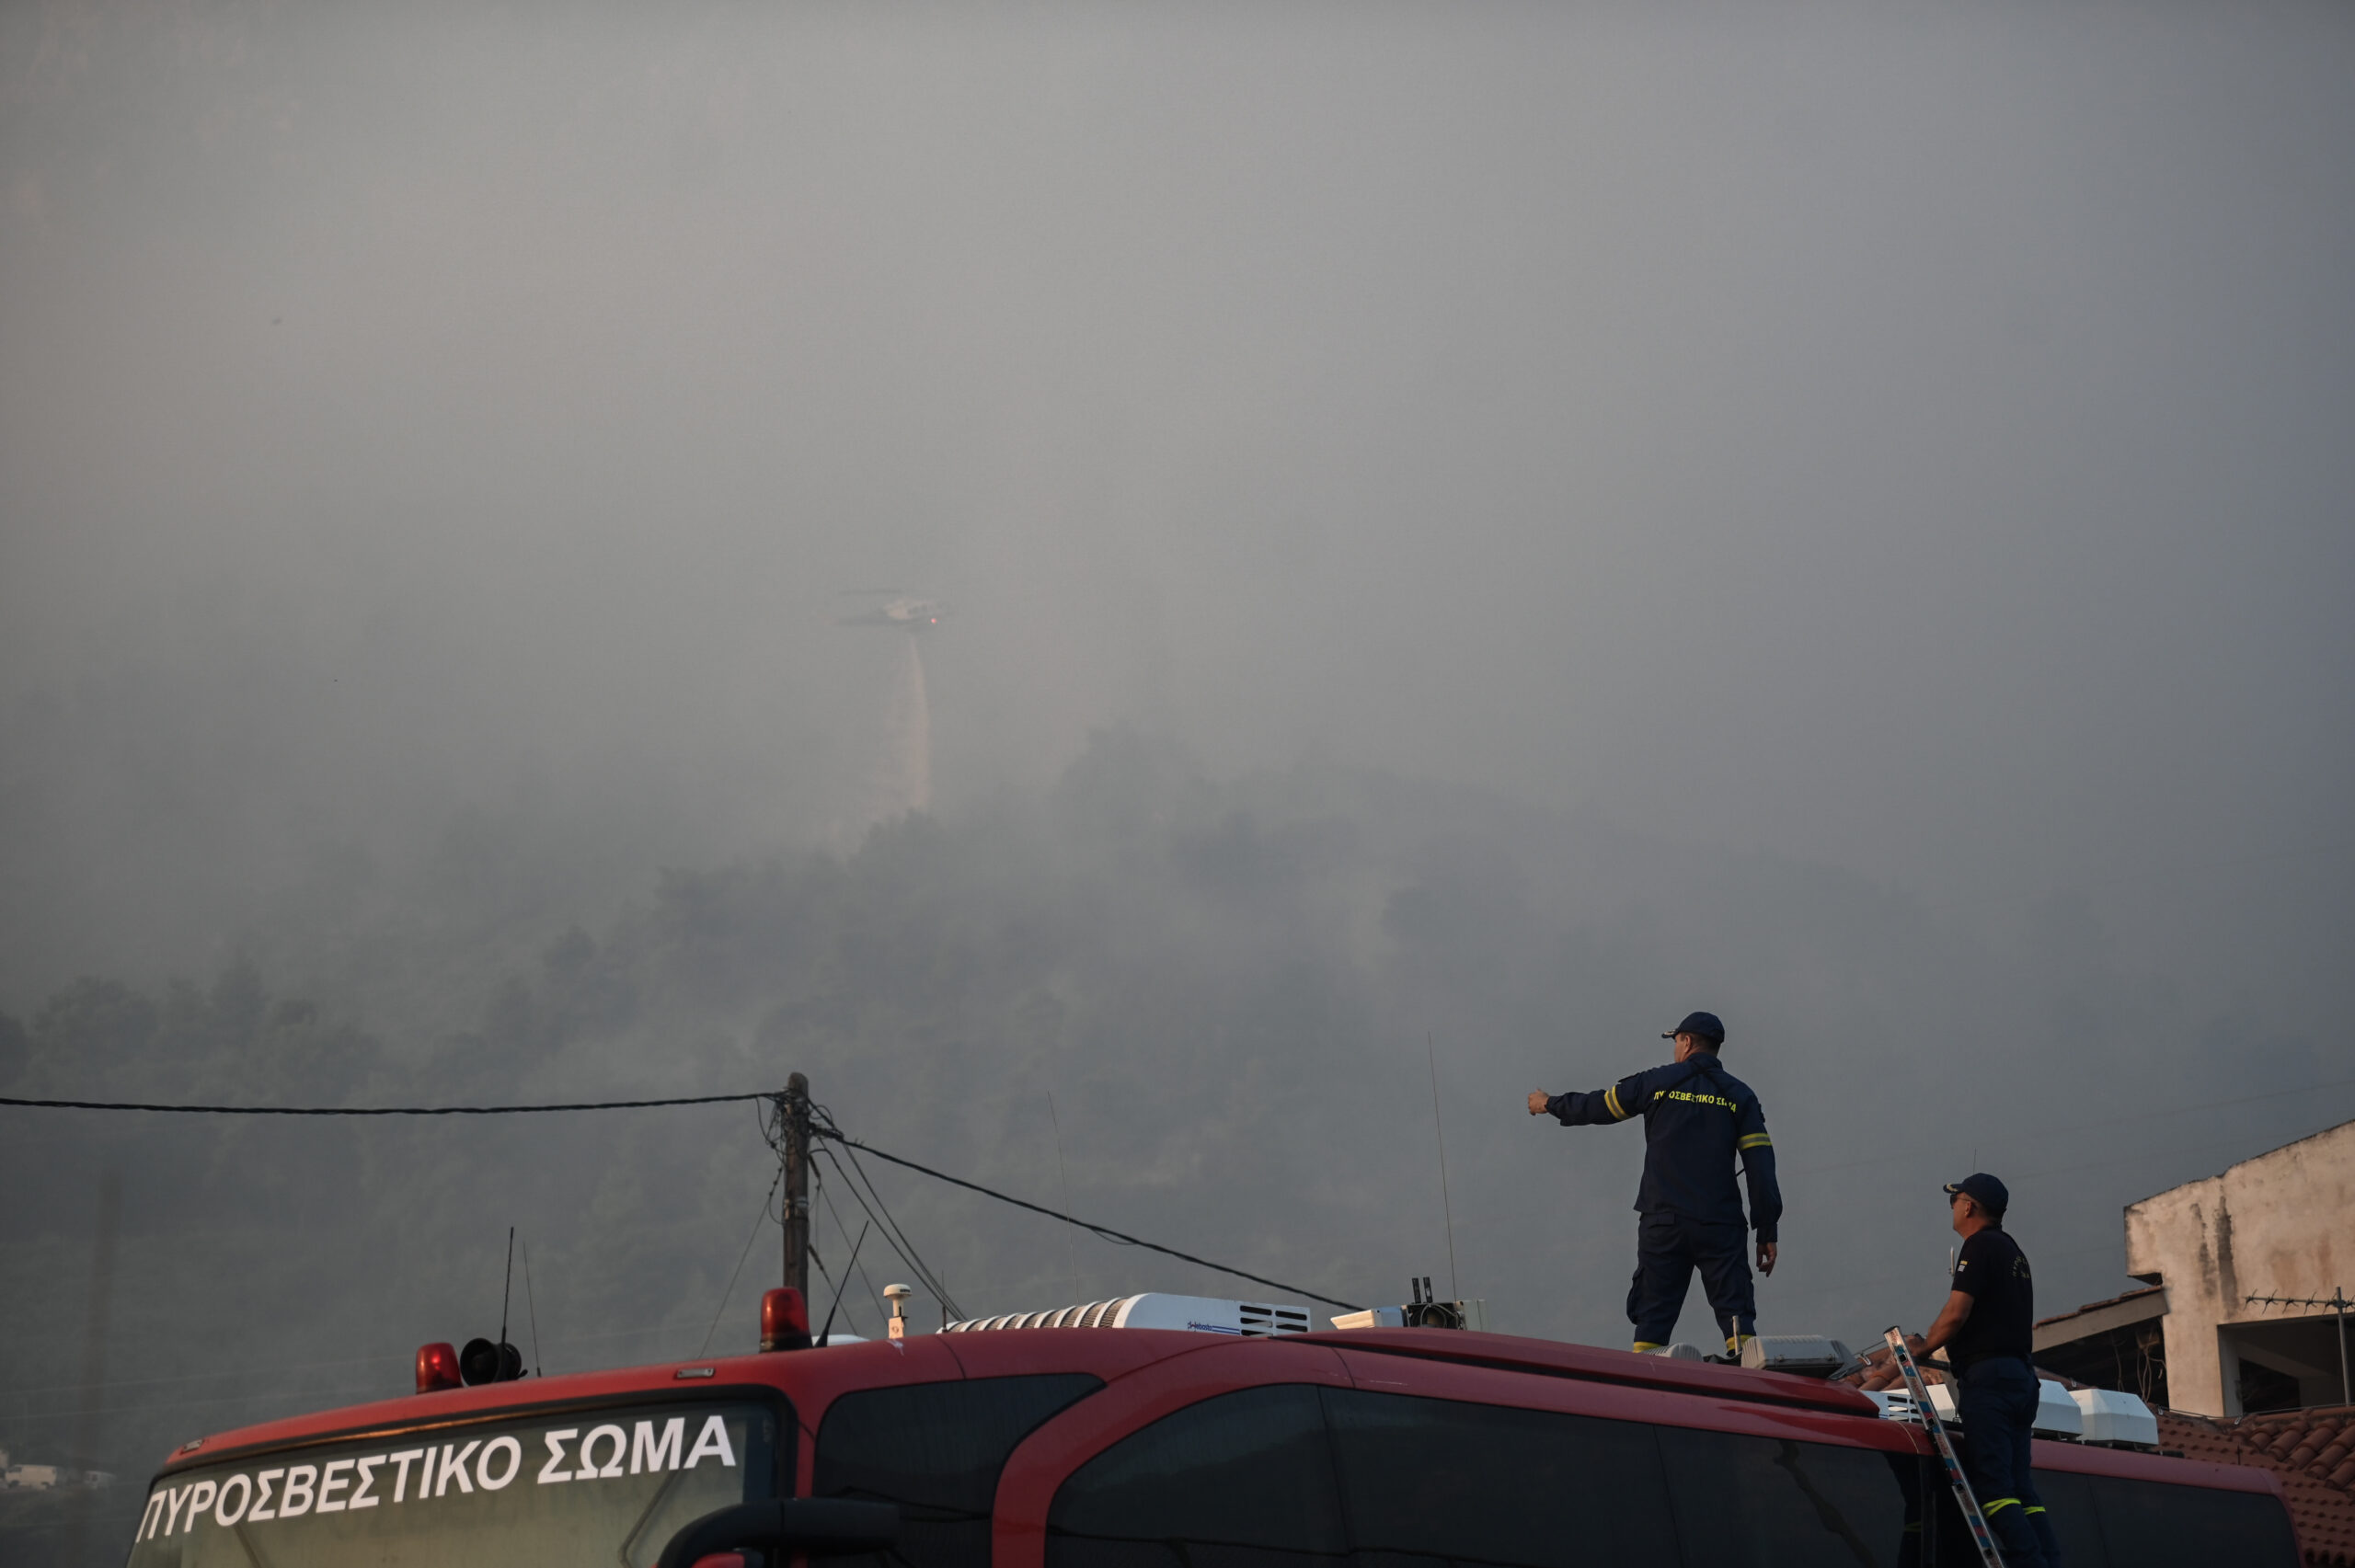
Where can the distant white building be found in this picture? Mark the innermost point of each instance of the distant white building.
(2201, 1338)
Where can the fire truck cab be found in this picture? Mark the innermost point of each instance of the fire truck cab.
(1146, 1447)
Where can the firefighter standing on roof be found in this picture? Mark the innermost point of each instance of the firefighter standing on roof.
(1699, 1118)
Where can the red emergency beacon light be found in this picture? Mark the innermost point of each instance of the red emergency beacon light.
(785, 1320)
(437, 1368)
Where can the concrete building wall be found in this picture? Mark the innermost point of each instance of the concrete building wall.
(2281, 1224)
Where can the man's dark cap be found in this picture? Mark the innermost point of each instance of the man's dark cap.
(1704, 1024)
(1993, 1195)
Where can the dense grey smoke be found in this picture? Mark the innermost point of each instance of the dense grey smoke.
(908, 751)
(1501, 526)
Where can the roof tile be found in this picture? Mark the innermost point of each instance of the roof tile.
(2312, 1451)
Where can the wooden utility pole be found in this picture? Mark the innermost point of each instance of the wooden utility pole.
(793, 1113)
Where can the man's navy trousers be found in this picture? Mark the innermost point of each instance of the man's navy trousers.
(1996, 1396)
(1669, 1247)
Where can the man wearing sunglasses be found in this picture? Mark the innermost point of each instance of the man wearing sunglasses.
(1985, 1330)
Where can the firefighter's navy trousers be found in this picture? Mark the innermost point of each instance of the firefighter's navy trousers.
(1669, 1247)
(1997, 1398)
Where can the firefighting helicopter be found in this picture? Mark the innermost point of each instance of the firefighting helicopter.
(899, 607)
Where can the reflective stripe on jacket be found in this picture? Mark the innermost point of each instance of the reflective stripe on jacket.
(1699, 1118)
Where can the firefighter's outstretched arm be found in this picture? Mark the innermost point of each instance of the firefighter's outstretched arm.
(1604, 1106)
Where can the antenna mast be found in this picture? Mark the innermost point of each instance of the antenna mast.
(1447, 1206)
(1071, 1257)
(532, 1303)
(2339, 1304)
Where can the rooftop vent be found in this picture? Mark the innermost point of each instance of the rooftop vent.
(1803, 1354)
(1201, 1314)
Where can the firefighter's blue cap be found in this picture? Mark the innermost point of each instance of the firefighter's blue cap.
(1991, 1194)
(1704, 1024)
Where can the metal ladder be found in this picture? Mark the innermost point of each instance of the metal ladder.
(1920, 1393)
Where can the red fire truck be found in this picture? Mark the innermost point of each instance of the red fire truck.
(1120, 1448)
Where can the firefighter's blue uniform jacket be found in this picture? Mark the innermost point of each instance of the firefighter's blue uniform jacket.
(1697, 1119)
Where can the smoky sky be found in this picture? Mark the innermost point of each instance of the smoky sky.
(1902, 443)
(1911, 439)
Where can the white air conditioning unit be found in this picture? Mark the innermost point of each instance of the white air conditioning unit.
(2116, 1420)
(1200, 1314)
(2057, 1415)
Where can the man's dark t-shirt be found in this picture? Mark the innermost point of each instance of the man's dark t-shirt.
(1993, 1272)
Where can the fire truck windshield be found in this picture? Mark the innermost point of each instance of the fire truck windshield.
(554, 1488)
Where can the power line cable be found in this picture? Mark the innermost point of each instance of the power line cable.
(827, 1274)
(874, 1296)
(822, 1121)
(725, 1295)
(826, 1330)
(1106, 1231)
(771, 1117)
(823, 1124)
(827, 1198)
(931, 1276)
(375, 1110)
(890, 1237)
(898, 1242)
